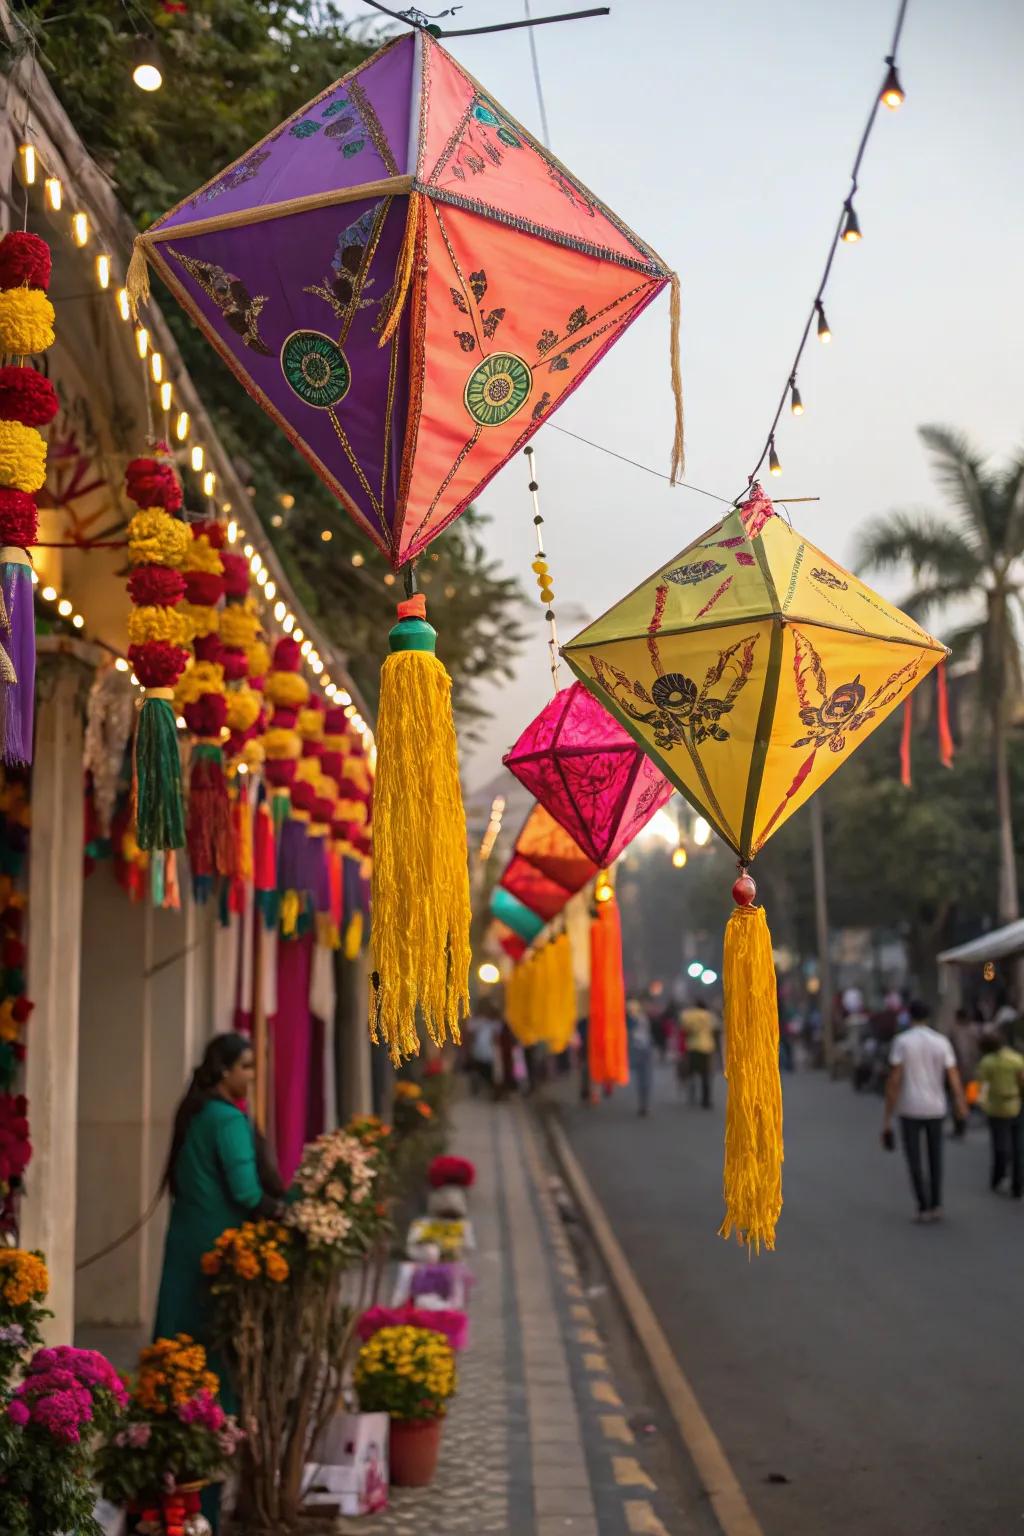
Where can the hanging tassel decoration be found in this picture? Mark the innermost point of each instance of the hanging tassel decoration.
(420, 900)
(906, 738)
(752, 1176)
(946, 749)
(606, 1036)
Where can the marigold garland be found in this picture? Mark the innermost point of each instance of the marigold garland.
(203, 620)
(156, 585)
(19, 519)
(198, 678)
(22, 455)
(288, 689)
(159, 623)
(25, 260)
(244, 705)
(156, 538)
(154, 483)
(26, 322)
(239, 626)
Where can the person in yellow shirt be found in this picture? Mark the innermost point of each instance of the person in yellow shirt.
(1001, 1074)
(699, 1025)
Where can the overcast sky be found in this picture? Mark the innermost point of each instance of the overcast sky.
(723, 133)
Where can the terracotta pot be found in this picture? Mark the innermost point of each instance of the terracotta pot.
(415, 1444)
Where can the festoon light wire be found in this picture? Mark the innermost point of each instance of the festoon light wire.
(845, 212)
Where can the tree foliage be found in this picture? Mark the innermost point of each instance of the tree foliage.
(233, 70)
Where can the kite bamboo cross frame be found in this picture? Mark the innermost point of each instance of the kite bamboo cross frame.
(409, 284)
(749, 668)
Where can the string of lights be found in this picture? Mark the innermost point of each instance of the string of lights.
(847, 231)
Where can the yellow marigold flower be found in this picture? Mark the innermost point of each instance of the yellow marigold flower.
(289, 690)
(26, 321)
(239, 627)
(201, 556)
(198, 678)
(22, 449)
(258, 657)
(157, 538)
(244, 704)
(158, 623)
(203, 619)
(282, 745)
(310, 724)
(277, 1268)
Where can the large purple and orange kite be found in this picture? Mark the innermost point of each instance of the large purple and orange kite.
(408, 283)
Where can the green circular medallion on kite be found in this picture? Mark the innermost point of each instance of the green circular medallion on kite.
(316, 368)
(498, 388)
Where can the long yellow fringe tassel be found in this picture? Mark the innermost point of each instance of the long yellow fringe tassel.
(678, 465)
(752, 1177)
(403, 270)
(136, 279)
(420, 897)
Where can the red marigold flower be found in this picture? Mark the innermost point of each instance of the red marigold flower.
(236, 574)
(215, 532)
(19, 520)
(207, 714)
(235, 664)
(153, 483)
(209, 648)
(27, 396)
(280, 772)
(157, 663)
(303, 796)
(204, 588)
(155, 586)
(13, 954)
(24, 261)
(287, 655)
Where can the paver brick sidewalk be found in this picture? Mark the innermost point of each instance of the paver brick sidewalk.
(537, 1442)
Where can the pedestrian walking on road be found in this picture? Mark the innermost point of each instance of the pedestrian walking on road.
(921, 1065)
(640, 1037)
(1001, 1074)
(698, 1025)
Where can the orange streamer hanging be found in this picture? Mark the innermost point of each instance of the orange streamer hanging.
(607, 1052)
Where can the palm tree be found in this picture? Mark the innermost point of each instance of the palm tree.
(975, 558)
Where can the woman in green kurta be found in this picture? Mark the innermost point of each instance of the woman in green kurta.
(214, 1179)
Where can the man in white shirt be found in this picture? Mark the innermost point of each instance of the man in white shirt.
(921, 1064)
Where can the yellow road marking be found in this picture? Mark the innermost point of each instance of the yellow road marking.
(732, 1510)
(588, 1336)
(604, 1392)
(641, 1519)
(630, 1474)
(614, 1427)
(596, 1362)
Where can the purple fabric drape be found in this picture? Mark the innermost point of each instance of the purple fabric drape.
(292, 1032)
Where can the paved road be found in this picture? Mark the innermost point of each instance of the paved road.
(866, 1379)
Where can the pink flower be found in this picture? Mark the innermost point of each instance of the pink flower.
(18, 1413)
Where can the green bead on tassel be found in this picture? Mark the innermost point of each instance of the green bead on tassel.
(159, 804)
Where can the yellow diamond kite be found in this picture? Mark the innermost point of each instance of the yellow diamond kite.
(750, 667)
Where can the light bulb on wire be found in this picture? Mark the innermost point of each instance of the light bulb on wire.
(851, 224)
(796, 405)
(181, 426)
(146, 71)
(892, 93)
(679, 858)
(166, 394)
(774, 465)
(103, 270)
(54, 193)
(824, 334)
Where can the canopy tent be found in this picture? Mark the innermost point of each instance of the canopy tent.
(1000, 944)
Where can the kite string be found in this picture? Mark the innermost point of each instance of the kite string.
(817, 305)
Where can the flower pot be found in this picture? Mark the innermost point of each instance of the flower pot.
(415, 1444)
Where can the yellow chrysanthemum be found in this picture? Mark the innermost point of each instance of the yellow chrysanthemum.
(238, 627)
(243, 706)
(22, 450)
(201, 556)
(158, 624)
(23, 1277)
(289, 690)
(157, 538)
(281, 745)
(310, 724)
(26, 321)
(308, 770)
(258, 657)
(203, 620)
(198, 678)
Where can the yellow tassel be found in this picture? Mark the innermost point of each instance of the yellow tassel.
(420, 899)
(678, 452)
(403, 270)
(752, 1178)
(136, 279)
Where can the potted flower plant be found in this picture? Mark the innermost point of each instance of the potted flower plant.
(176, 1438)
(408, 1373)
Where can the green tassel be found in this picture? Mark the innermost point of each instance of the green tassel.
(157, 878)
(159, 806)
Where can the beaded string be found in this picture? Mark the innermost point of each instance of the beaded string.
(541, 571)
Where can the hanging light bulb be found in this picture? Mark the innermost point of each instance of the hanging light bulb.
(65, 607)
(209, 481)
(288, 623)
(103, 270)
(679, 858)
(774, 466)
(892, 94)
(232, 532)
(851, 224)
(142, 340)
(146, 71)
(279, 611)
(80, 228)
(156, 367)
(166, 394)
(181, 426)
(270, 591)
(326, 535)
(197, 457)
(796, 405)
(358, 559)
(54, 192)
(28, 163)
(824, 334)
(123, 306)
